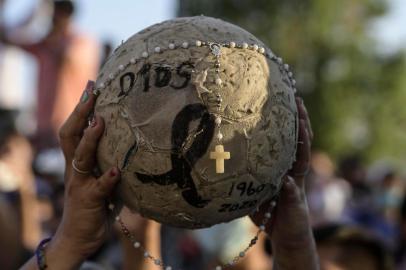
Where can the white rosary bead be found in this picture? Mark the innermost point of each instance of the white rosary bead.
(242, 254)
(198, 43)
(294, 90)
(286, 66)
(157, 49)
(117, 218)
(137, 244)
(168, 268)
(232, 44)
(293, 82)
(145, 54)
(219, 81)
(220, 136)
(133, 61)
(121, 67)
(268, 215)
(279, 60)
(185, 45)
(273, 204)
(171, 46)
(146, 254)
(111, 206)
(96, 92)
(218, 120)
(157, 261)
(244, 45)
(111, 76)
(262, 228)
(261, 50)
(218, 267)
(102, 85)
(290, 74)
(255, 47)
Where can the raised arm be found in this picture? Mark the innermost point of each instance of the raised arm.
(84, 224)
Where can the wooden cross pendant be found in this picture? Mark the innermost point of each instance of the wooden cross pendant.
(219, 155)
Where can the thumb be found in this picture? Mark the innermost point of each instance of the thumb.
(107, 182)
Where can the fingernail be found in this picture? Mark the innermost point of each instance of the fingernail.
(85, 97)
(88, 88)
(93, 123)
(289, 181)
(113, 172)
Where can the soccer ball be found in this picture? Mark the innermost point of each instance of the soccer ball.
(201, 120)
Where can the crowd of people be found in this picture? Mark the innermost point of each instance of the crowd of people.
(357, 213)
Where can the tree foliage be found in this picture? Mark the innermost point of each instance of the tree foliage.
(354, 94)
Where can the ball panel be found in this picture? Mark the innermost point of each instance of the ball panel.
(118, 139)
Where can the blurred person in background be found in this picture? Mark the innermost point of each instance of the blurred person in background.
(12, 253)
(391, 196)
(362, 208)
(65, 59)
(389, 190)
(17, 185)
(351, 248)
(328, 195)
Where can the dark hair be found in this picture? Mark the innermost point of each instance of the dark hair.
(66, 6)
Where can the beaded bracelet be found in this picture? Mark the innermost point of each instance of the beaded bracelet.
(40, 254)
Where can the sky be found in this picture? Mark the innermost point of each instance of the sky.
(119, 19)
(391, 30)
(124, 18)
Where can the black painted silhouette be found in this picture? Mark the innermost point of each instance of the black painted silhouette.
(182, 163)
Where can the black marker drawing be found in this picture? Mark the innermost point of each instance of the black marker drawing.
(131, 77)
(144, 72)
(183, 72)
(163, 76)
(182, 163)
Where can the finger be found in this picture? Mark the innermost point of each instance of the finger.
(85, 154)
(107, 182)
(309, 125)
(301, 165)
(290, 193)
(304, 115)
(72, 130)
(290, 196)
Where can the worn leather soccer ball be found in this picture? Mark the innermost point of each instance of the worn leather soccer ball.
(158, 95)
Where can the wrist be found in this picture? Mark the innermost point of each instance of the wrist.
(61, 255)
